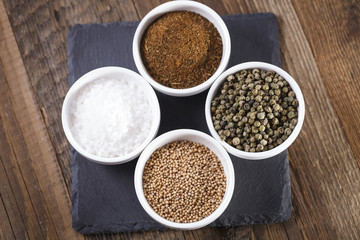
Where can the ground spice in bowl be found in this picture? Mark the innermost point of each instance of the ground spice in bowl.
(181, 49)
(184, 181)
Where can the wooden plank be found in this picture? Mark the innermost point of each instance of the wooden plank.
(26, 152)
(6, 230)
(333, 32)
(11, 199)
(324, 173)
(46, 24)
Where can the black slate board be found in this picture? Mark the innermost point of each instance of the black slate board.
(103, 197)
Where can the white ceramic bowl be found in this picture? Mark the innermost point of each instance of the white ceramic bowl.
(113, 72)
(194, 136)
(196, 7)
(256, 155)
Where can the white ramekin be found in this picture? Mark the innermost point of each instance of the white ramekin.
(194, 136)
(256, 155)
(114, 72)
(196, 7)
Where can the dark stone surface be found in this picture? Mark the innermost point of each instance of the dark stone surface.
(103, 197)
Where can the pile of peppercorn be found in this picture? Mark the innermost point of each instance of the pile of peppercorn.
(254, 110)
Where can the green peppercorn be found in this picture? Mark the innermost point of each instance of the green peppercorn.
(280, 130)
(283, 119)
(276, 133)
(276, 107)
(227, 133)
(230, 78)
(236, 141)
(258, 136)
(265, 87)
(238, 131)
(262, 128)
(295, 103)
(287, 131)
(245, 104)
(236, 118)
(268, 79)
(268, 109)
(270, 115)
(259, 148)
(259, 108)
(254, 129)
(291, 94)
(246, 107)
(263, 142)
(264, 121)
(252, 115)
(275, 121)
(260, 115)
(291, 115)
(258, 98)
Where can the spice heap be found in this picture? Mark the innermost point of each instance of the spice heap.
(107, 120)
(254, 110)
(181, 49)
(184, 181)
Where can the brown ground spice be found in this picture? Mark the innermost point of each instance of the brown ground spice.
(181, 49)
(184, 181)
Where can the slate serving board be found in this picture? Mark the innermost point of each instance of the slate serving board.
(103, 197)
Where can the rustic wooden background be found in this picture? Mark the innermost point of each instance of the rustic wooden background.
(320, 48)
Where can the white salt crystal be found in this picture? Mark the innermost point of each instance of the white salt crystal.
(111, 117)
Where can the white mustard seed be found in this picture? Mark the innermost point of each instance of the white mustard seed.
(184, 181)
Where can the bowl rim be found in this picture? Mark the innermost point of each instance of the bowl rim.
(178, 6)
(176, 135)
(90, 77)
(269, 153)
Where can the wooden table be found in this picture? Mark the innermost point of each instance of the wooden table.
(320, 48)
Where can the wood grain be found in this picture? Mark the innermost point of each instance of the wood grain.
(333, 33)
(319, 173)
(30, 171)
(319, 48)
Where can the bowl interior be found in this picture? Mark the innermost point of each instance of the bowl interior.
(116, 73)
(256, 155)
(196, 7)
(194, 136)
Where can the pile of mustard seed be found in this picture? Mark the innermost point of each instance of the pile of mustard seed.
(184, 181)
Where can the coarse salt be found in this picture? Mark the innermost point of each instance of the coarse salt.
(111, 117)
